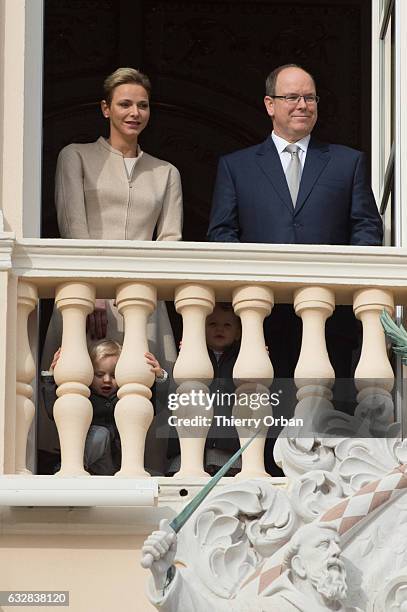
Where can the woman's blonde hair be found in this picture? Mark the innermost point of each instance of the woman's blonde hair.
(122, 76)
(104, 348)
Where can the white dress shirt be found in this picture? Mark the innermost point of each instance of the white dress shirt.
(285, 156)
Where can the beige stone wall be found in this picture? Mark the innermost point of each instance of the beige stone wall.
(12, 113)
(2, 94)
(102, 573)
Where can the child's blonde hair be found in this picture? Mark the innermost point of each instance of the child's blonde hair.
(104, 348)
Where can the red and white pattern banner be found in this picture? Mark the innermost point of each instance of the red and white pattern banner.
(353, 509)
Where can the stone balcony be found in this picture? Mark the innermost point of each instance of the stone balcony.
(195, 275)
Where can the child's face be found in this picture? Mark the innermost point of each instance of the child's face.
(104, 382)
(222, 329)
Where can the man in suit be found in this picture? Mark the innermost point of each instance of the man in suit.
(292, 189)
(252, 201)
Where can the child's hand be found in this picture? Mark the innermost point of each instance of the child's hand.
(55, 358)
(155, 366)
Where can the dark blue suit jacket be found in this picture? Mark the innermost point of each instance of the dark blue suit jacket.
(335, 204)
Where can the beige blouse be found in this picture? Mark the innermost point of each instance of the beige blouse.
(95, 198)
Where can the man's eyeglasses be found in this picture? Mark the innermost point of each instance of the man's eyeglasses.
(294, 99)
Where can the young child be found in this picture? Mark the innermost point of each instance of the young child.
(102, 454)
(223, 332)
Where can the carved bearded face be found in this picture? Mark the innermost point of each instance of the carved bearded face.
(318, 561)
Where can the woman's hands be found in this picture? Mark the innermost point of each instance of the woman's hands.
(96, 323)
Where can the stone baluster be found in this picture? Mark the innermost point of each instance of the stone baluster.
(374, 378)
(314, 374)
(194, 303)
(27, 298)
(314, 305)
(73, 374)
(193, 372)
(373, 369)
(134, 411)
(253, 374)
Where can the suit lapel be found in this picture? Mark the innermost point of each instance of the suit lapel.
(269, 161)
(315, 161)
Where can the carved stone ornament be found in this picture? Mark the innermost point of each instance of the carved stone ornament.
(393, 598)
(334, 539)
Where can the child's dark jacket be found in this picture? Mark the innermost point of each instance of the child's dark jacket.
(103, 411)
(223, 437)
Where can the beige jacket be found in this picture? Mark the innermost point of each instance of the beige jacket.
(96, 199)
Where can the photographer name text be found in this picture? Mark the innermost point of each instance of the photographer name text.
(223, 421)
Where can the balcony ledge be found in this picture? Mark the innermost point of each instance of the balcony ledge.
(80, 491)
(222, 265)
(113, 518)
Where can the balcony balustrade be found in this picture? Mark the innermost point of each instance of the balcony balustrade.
(194, 276)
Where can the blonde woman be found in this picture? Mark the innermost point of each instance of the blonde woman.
(112, 190)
